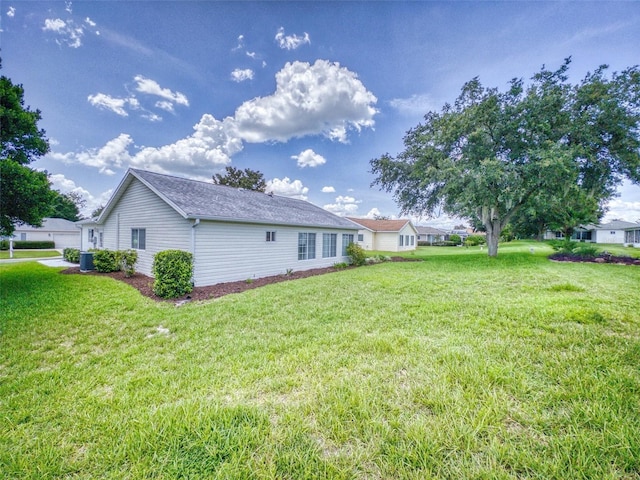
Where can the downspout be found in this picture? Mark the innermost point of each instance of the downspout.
(196, 222)
(117, 231)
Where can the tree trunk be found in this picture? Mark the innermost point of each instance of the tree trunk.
(493, 237)
(494, 229)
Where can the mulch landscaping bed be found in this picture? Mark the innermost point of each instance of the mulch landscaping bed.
(144, 284)
(603, 258)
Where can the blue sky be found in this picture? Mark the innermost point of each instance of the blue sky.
(305, 92)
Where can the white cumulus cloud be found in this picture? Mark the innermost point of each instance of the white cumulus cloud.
(328, 189)
(287, 188)
(114, 104)
(319, 99)
(323, 98)
(151, 87)
(291, 42)
(343, 206)
(65, 185)
(239, 75)
(309, 158)
(210, 146)
(11, 12)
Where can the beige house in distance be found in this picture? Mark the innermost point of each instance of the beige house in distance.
(386, 235)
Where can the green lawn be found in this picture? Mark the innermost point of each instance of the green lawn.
(456, 367)
(4, 254)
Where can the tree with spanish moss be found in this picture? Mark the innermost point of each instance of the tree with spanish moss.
(492, 154)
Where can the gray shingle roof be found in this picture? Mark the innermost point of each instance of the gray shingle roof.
(51, 225)
(208, 201)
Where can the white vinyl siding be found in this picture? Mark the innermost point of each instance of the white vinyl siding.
(228, 252)
(139, 208)
(224, 251)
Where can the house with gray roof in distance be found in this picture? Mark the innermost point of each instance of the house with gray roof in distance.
(63, 233)
(612, 232)
(632, 236)
(233, 234)
(430, 235)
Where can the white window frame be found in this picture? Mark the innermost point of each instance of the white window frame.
(347, 239)
(306, 246)
(271, 236)
(137, 239)
(329, 245)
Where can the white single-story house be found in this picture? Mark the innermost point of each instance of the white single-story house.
(612, 232)
(632, 236)
(386, 235)
(233, 234)
(63, 233)
(430, 235)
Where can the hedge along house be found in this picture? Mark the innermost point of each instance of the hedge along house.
(233, 234)
(385, 235)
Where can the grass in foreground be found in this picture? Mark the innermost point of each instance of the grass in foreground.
(4, 254)
(454, 367)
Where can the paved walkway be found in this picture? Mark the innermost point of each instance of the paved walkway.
(57, 262)
(49, 262)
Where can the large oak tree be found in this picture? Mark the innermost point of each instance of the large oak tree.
(25, 194)
(492, 154)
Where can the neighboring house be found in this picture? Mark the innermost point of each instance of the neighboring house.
(386, 235)
(63, 233)
(430, 235)
(632, 236)
(233, 234)
(612, 232)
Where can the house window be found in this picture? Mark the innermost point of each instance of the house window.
(406, 240)
(271, 236)
(23, 237)
(306, 246)
(139, 238)
(101, 239)
(612, 233)
(347, 239)
(402, 240)
(413, 240)
(329, 241)
(91, 234)
(361, 237)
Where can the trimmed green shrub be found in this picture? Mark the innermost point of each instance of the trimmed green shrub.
(71, 255)
(455, 239)
(172, 272)
(127, 261)
(356, 254)
(4, 244)
(106, 261)
(475, 240)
